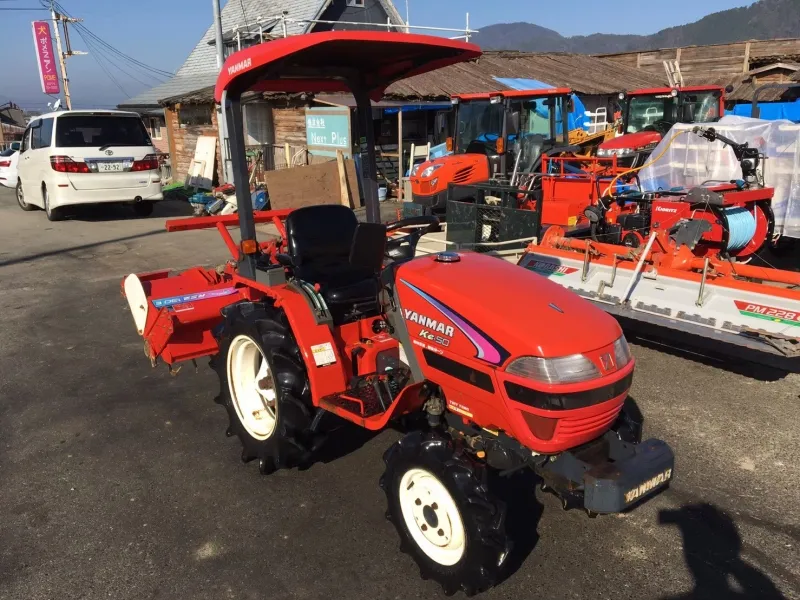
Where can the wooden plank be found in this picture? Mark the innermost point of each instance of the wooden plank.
(343, 189)
(774, 48)
(727, 50)
(746, 62)
(306, 186)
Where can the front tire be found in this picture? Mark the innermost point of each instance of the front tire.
(264, 387)
(53, 214)
(21, 198)
(447, 519)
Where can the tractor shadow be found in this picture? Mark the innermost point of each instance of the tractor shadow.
(341, 438)
(712, 551)
(523, 512)
(98, 213)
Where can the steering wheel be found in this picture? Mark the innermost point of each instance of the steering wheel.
(660, 125)
(404, 247)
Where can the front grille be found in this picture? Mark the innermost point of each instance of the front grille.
(463, 175)
(583, 425)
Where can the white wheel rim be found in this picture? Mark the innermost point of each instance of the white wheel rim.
(432, 517)
(252, 388)
(20, 195)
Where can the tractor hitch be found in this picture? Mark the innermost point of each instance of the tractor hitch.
(609, 475)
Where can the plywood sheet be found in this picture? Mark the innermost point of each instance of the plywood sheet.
(306, 186)
(201, 171)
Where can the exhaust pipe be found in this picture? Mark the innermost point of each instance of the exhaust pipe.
(137, 199)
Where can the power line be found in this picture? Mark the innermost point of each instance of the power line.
(94, 48)
(244, 14)
(96, 55)
(99, 40)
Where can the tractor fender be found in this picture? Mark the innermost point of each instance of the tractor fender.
(314, 337)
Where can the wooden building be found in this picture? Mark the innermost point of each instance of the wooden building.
(715, 64)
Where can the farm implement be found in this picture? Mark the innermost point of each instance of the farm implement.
(681, 262)
(337, 317)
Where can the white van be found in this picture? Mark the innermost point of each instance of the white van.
(87, 157)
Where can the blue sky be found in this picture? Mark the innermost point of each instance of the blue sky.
(161, 33)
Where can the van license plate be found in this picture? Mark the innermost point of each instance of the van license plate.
(109, 167)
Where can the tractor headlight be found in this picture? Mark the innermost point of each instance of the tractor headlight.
(416, 168)
(622, 352)
(621, 152)
(428, 171)
(602, 152)
(566, 369)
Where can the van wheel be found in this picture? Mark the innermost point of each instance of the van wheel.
(21, 198)
(53, 214)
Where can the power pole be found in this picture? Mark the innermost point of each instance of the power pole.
(62, 56)
(64, 78)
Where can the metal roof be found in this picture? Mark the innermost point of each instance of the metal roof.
(586, 75)
(582, 73)
(745, 85)
(200, 69)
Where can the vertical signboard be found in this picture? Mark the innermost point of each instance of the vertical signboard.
(46, 58)
(328, 130)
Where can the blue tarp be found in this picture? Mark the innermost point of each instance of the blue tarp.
(577, 118)
(771, 111)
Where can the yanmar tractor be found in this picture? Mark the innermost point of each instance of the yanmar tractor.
(322, 322)
(648, 114)
(499, 135)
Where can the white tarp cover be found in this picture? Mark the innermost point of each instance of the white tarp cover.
(691, 161)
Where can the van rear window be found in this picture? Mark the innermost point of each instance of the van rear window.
(85, 131)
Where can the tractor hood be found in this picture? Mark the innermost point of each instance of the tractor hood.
(486, 308)
(632, 140)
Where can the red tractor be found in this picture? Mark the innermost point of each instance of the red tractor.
(323, 322)
(648, 114)
(498, 135)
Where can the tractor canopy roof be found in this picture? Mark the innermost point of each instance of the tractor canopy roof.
(338, 61)
(537, 93)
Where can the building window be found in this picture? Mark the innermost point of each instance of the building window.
(356, 3)
(154, 127)
(194, 115)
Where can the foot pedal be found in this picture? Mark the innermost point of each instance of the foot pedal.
(369, 395)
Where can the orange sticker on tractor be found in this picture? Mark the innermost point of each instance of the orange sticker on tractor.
(548, 268)
(768, 313)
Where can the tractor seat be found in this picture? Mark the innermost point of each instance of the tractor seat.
(320, 240)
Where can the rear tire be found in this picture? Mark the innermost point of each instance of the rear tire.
(21, 198)
(143, 209)
(447, 519)
(53, 214)
(264, 387)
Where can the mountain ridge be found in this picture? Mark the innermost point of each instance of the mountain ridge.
(765, 19)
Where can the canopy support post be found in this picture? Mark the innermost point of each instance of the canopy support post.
(369, 170)
(247, 225)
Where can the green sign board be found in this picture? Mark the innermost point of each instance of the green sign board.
(328, 130)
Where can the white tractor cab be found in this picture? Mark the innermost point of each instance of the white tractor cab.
(87, 157)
